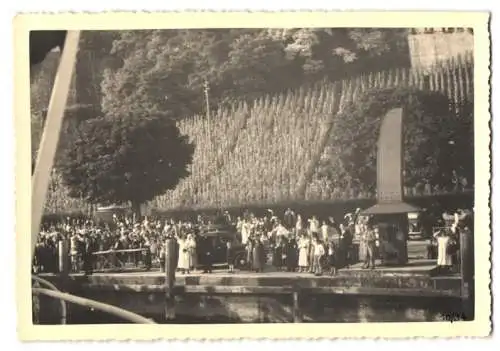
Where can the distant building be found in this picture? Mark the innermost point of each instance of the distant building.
(430, 46)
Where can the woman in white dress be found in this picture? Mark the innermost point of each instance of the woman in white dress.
(191, 247)
(443, 239)
(184, 255)
(245, 231)
(303, 253)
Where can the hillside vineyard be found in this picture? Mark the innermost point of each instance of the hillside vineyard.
(269, 151)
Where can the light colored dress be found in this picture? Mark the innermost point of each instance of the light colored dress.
(191, 247)
(298, 226)
(73, 247)
(318, 251)
(443, 258)
(245, 232)
(303, 252)
(184, 255)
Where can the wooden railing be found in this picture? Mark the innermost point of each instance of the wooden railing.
(119, 259)
(39, 281)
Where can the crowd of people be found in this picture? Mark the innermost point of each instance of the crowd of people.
(286, 243)
(447, 238)
(295, 244)
(143, 238)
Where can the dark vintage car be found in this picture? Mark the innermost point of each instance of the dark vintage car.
(218, 236)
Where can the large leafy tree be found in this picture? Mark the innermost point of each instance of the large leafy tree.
(127, 147)
(171, 66)
(125, 159)
(149, 77)
(438, 139)
(338, 53)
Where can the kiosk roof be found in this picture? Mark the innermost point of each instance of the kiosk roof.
(390, 208)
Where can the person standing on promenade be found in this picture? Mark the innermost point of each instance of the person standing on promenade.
(444, 259)
(368, 238)
(183, 262)
(299, 226)
(325, 232)
(258, 256)
(205, 253)
(313, 230)
(331, 256)
(278, 252)
(230, 256)
(153, 248)
(291, 254)
(249, 247)
(162, 256)
(310, 254)
(345, 246)
(87, 256)
(313, 225)
(74, 242)
(245, 231)
(332, 253)
(239, 228)
(303, 253)
(281, 231)
(191, 246)
(318, 253)
(289, 219)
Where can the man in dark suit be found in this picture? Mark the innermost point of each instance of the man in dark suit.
(206, 252)
(369, 238)
(289, 219)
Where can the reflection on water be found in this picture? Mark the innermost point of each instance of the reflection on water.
(341, 309)
(325, 309)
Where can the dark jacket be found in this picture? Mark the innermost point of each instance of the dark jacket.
(205, 251)
(258, 255)
(292, 254)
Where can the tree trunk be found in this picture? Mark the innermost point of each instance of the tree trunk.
(136, 209)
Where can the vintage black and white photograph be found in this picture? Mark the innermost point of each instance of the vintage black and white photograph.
(256, 175)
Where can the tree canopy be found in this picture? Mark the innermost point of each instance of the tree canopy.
(438, 139)
(123, 159)
(167, 69)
